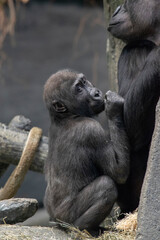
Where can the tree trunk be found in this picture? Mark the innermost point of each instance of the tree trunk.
(113, 46)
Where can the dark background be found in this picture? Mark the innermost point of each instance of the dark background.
(49, 36)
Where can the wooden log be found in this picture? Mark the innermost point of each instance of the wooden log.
(12, 141)
(17, 123)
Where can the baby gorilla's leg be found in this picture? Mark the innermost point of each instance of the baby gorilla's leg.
(94, 203)
(91, 205)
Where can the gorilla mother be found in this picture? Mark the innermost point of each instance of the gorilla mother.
(137, 22)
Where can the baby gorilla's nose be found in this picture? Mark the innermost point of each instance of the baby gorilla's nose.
(96, 94)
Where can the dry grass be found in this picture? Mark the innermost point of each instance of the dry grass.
(122, 230)
(129, 223)
(109, 234)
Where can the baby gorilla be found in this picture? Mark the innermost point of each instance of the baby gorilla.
(84, 162)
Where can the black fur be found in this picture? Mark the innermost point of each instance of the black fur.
(137, 23)
(84, 163)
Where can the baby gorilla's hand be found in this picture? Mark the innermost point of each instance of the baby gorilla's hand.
(114, 104)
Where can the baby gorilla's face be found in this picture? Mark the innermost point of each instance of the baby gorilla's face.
(69, 94)
(88, 99)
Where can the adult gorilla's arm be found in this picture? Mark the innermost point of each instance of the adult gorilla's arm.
(141, 100)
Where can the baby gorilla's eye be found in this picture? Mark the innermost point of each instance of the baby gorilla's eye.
(78, 88)
(80, 84)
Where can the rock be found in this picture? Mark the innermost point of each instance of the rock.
(31, 233)
(16, 210)
(149, 207)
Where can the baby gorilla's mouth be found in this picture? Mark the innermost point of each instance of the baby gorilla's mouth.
(99, 106)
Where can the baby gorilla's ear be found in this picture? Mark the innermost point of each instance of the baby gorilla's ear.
(59, 106)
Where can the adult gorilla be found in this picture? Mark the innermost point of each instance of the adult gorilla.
(137, 22)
